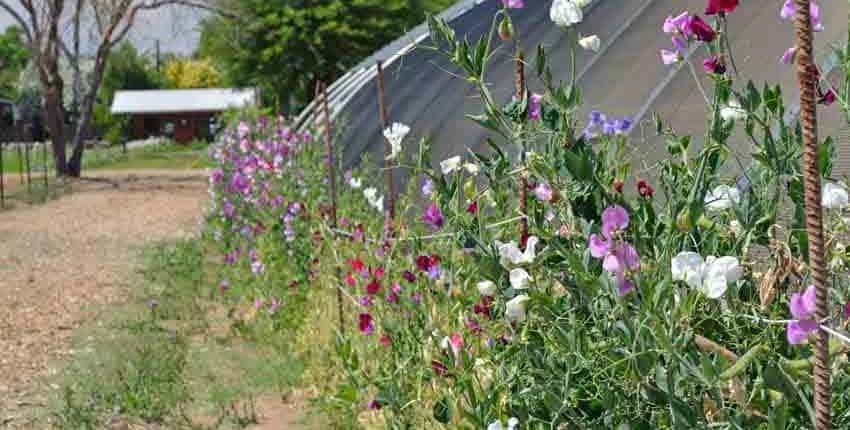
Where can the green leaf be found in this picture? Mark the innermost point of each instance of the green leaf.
(443, 411)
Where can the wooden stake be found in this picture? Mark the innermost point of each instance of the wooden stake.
(321, 91)
(29, 171)
(389, 200)
(523, 177)
(807, 75)
(2, 180)
(44, 164)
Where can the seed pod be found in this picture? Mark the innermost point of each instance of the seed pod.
(506, 29)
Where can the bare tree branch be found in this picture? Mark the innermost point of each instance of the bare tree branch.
(23, 24)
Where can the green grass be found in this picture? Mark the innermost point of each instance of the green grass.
(171, 156)
(168, 359)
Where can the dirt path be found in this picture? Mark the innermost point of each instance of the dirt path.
(60, 260)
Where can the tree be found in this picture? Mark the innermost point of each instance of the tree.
(284, 46)
(181, 74)
(42, 22)
(13, 58)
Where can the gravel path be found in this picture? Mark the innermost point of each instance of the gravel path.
(59, 259)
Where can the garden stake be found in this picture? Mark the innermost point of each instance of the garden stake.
(523, 176)
(2, 179)
(321, 91)
(29, 175)
(44, 164)
(20, 163)
(389, 203)
(807, 76)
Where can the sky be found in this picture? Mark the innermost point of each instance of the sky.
(175, 27)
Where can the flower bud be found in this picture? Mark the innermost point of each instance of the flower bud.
(506, 30)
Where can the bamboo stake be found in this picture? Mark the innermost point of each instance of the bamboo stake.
(389, 201)
(523, 177)
(321, 91)
(807, 76)
(2, 181)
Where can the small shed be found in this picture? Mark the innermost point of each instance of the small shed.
(182, 115)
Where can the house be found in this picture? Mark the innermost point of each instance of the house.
(182, 115)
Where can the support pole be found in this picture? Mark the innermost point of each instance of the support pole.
(44, 165)
(29, 170)
(321, 91)
(389, 200)
(807, 75)
(523, 176)
(2, 180)
(20, 163)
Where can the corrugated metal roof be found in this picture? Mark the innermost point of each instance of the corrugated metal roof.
(171, 101)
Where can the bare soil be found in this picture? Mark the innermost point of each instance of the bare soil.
(62, 261)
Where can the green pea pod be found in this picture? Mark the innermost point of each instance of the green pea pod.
(741, 365)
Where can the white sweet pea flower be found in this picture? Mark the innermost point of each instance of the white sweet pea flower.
(487, 288)
(355, 183)
(497, 425)
(733, 111)
(736, 227)
(515, 308)
(710, 276)
(590, 43)
(834, 196)
(445, 343)
(722, 197)
(471, 168)
(395, 134)
(520, 279)
(565, 13)
(449, 165)
(511, 254)
(373, 199)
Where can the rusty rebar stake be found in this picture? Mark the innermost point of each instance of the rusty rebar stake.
(807, 75)
(321, 91)
(523, 177)
(389, 200)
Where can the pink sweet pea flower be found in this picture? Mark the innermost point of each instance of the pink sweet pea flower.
(713, 65)
(701, 29)
(803, 309)
(366, 326)
(514, 4)
(677, 24)
(534, 103)
(789, 8)
(669, 57)
(433, 217)
(789, 56)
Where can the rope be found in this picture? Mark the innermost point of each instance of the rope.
(807, 77)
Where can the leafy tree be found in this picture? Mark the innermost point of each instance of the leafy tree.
(127, 69)
(284, 46)
(14, 56)
(191, 74)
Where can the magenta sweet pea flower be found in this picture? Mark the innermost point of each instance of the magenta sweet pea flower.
(366, 325)
(720, 6)
(803, 309)
(701, 29)
(789, 56)
(514, 4)
(433, 217)
(713, 64)
(534, 103)
(614, 218)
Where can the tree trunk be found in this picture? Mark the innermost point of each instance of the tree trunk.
(56, 125)
(75, 164)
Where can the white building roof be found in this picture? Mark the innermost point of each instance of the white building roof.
(171, 101)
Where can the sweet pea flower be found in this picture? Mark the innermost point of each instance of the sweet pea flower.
(433, 217)
(733, 111)
(520, 279)
(789, 56)
(834, 196)
(710, 276)
(669, 57)
(803, 309)
(720, 6)
(543, 192)
(713, 64)
(513, 4)
(590, 43)
(487, 288)
(722, 197)
(565, 13)
(471, 168)
(676, 24)
(355, 183)
(373, 199)
(511, 254)
(449, 165)
(427, 187)
(395, 134)
(701, 29)
(515, 309)
(618, 256)
(366, 325)
(513, 422)
(789, 8)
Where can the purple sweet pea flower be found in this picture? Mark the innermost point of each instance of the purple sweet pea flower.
(614, 218)
(676, 24)
(618, 256)
(534, 103)
(433, 217)
(803, 309)
(669, 57)
(789, 55)
(514, 4)
(543, 192)
(427, 187)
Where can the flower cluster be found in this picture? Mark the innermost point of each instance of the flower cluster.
(618, 256)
